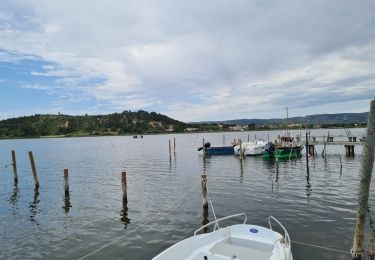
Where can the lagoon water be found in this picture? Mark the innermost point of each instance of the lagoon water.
(164, 195)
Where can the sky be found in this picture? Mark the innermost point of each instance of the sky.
(190, 60)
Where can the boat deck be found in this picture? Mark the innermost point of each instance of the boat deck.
(242, 242)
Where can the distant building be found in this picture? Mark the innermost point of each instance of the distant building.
(235, 128)
(191, 129)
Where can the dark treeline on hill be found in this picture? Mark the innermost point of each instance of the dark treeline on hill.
(331, 120)
(127, 122)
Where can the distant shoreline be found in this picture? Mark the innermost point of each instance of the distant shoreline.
(166, 133)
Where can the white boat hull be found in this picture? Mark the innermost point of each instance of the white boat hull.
(242, 242)
(250, 148)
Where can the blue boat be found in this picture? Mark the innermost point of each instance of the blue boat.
(219, 150)
(224, 150)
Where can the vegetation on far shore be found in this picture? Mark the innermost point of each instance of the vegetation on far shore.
(134, 123)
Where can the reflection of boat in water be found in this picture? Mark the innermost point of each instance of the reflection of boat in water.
(240, 241)
(218, 150)
(250, 148)
(286, 149)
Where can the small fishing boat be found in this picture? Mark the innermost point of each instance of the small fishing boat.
(218, 150)
(239, 241)
(250, 148)
(285, 149)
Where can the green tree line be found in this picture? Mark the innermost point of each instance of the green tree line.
(127, 122)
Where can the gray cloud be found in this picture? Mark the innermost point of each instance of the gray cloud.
(198, 60)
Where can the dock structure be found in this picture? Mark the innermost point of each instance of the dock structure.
(349, 144)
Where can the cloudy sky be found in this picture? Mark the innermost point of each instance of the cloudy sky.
(191, 60)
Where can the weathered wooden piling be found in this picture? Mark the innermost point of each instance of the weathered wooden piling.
(276, 151)
(33, 168)
(66, 182)
(268, 136)
(248, 138)
(241, 150)
(366, 172)
(204, 190)
(307, 155)
(349, 149)
(170, 149)
(204, 150)
(124, 187)
(14, 164)
(311, 149)
(223, 140)
(325, 145)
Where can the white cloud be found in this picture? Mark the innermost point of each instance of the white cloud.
(197, 60)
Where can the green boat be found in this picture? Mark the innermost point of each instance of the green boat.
(284, 152)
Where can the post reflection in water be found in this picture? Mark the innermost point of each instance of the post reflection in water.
(67, 204)
(34, 206)
(124, 213)
(14, 197)
(308, 185)
(241, 171)
(205, 219)
(276, 178)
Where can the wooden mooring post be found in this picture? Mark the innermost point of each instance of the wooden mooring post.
(311, 149)
(204, 150)
(66, 182)
(204, 190)
(33, 168)
(276, 151)
(366, 172)
(170, 149)
(124, 187)
(307, 155)
(349, 149)
(241, 150)
(14, 164)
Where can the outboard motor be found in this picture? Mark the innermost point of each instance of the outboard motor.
(270, 147)
(206, 145)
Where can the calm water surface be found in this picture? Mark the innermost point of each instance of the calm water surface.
(164, 197)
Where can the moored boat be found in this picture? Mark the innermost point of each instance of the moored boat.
(250, 148)
(239, 241)
(218, 150)
(286, 149)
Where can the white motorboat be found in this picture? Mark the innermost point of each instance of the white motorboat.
(250, 148)
(240, 241)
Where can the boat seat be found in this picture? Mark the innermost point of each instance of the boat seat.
(240, 252)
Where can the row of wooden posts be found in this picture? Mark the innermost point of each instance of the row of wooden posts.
(33, 167)
(35, 174)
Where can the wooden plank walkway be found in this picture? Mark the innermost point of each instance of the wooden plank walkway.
(335, 143)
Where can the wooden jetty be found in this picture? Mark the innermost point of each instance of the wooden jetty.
(349, 144)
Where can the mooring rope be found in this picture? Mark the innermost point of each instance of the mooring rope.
(321, 247)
